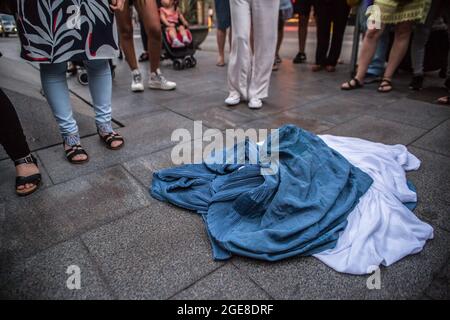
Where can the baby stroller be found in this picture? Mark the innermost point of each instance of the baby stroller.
(181, 57)
(78, 69)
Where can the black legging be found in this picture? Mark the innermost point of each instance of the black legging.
(143, 36)
(11, 133)
(327, 12)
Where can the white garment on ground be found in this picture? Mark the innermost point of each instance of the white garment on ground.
(380, 230)
(249, 74)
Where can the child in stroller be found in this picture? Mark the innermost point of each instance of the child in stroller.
(177, 39)
(174, 23)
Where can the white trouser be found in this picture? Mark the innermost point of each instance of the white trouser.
(249, 74)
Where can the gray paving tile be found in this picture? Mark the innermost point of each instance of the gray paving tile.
(437, 140)
(153, 253)
(142, 168)
(226, 283)
(432, 181)
(209, 107)
(128, 107)
(335, 110)
(302, 278)
(63, 211)
(415, 113)
(308, 278)
(44, 276)
(290, 117)
(439, 288)
(377, 130)
(142, 137)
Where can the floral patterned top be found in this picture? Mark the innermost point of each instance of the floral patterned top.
(55, 31)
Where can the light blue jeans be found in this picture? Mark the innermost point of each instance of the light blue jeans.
(54, 84)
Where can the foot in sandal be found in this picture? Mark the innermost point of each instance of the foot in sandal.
(112, 140)
(444, 100)
(28, 178)
(385, 86)
(352, 84)
(76, 154)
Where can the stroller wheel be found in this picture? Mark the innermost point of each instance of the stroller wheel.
(83, 78)
(188, 62)
(194, 61)
(177, 64)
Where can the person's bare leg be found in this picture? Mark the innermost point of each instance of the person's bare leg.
(221, 38)
(182, 31)
(149, 13)
(125, 27)
(172, 32)
(367, 52)
(399, 48)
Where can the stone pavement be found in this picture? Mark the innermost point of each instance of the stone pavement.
(100, 217)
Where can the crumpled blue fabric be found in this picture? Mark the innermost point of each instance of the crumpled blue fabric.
(300, 210)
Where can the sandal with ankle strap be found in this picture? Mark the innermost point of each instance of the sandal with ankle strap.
(74, 151)
(34, 179)
(357, 84)
(109, 138)
(385, 83)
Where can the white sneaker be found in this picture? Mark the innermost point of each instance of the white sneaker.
(137, 85)
(176, 43)
(255, 103)
(233, 99)
(157, 81)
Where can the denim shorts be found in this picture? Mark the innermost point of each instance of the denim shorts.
(223, 14)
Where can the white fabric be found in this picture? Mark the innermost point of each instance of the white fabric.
(380, 230)
(249, 74)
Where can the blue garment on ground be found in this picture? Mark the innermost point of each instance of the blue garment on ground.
(300, 210)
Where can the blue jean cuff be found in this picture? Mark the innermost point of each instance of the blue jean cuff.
(105, 127)
(72, 139)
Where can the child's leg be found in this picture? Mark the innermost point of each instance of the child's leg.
(172, 32)
(182, 31)
(184, 35)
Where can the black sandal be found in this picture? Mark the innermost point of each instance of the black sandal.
(357, 85)
(385, 83)
(109, 138)
(34, 179)
(75, 151)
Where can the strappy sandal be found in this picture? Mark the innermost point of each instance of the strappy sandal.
(109, 138)
(74, 151)
(444, 100)
(385, 83)
(34, 179)
(351, 86)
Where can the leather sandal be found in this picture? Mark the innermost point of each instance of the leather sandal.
(34, 179)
